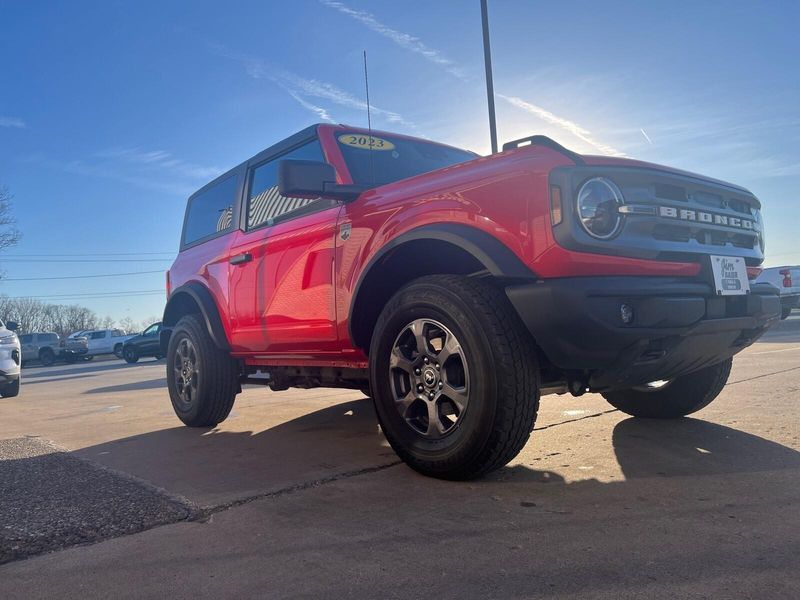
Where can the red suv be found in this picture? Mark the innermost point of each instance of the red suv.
(455, 289)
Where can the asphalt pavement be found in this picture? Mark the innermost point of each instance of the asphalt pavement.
(297, 494)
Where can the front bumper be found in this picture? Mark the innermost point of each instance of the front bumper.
(678, 326)
(9, 364)
(74, 351)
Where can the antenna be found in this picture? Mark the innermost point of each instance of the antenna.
(369, 121)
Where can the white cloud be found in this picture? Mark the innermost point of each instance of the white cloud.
(12, 122)
(318, 110)
(158, 160)
(565, 124)
(302, 88)
(405, 40)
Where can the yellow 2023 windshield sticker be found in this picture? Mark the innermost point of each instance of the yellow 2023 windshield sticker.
(365, 142)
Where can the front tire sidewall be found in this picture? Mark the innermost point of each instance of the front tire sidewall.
(131, 355)
(10, 390)
(47, 358)
(471, 433)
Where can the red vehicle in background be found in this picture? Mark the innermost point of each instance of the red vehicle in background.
(456, 289)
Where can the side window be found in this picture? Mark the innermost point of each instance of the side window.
(265, 204)
(210, 211)
(25, 339)
(152, 330)
(98, 335)
(48, 337)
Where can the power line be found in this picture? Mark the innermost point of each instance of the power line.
(90, 295)
(82, 260)
(172, 252)
(81, 276)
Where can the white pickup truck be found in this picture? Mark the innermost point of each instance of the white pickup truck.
(787, 280)
(105, 341)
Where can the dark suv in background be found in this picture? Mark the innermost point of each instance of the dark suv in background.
(144, 344)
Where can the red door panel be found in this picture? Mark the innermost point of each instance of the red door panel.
(282, 299)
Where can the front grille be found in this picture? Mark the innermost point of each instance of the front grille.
(665, 214)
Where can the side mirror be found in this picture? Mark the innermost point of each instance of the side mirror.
(312, 179)
(12, 325)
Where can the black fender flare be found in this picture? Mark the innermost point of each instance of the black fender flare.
(209, 312)
(497, 258)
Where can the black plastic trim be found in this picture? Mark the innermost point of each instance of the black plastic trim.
(543, 140)
(208, 309)
(679, 325)
(496, 257)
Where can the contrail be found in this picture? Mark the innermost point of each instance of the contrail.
(565, 124)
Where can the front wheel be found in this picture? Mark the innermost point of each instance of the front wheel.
(454, 377)
(130, 354)
(47, 357)
(676, 398)
(202, 379)
(10, 390)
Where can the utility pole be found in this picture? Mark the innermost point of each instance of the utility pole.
(487, 57)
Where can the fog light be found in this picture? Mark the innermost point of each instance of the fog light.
(626, 313)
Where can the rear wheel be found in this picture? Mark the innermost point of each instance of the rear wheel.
(454, 377)
(202, 379)
(785, 312)
(118, 350)
(130, 354)
(675, 398)
(47, 357)
(10, 390)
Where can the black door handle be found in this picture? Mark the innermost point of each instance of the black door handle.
(239, 259)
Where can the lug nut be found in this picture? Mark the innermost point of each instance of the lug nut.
(441, 385)
(431, 395)
(417, 371)
(438, 366)
(426, 360)
(419, 387)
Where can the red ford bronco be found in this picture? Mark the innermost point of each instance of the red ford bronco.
(455, 289)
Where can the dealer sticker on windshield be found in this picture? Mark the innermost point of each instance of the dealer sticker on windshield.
(730, 275)
(365, 142)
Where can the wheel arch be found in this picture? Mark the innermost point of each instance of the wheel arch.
(194, 298)
(458, 250)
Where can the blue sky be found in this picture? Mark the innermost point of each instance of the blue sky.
(111, 113)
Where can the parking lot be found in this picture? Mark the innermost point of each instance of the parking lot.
(105, 493)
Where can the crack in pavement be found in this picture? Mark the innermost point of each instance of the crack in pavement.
(203, 513)
(760, 376)
(592, 416)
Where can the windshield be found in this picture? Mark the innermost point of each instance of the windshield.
(394, 158)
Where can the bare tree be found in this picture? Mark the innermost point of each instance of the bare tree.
(9, 234)
(129, 325)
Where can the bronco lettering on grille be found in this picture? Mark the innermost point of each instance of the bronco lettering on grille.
(683, 214)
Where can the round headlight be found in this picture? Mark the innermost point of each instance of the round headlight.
(598, 205)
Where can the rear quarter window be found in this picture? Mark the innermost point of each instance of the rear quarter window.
(210, 212)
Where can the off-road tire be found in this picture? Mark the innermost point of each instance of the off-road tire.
(131, 355)
(10, 390)
(679, 397)
(217, 376)
(503, 373)
(47, 357)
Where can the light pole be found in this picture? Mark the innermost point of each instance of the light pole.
(487, 57)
